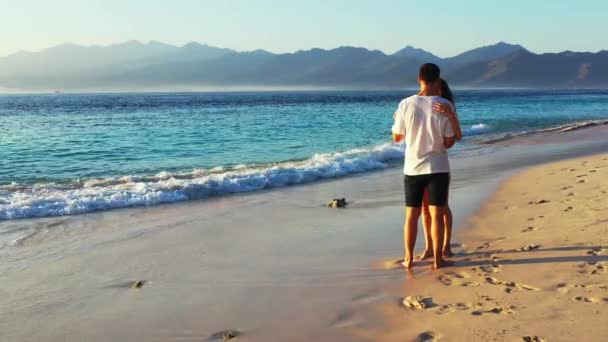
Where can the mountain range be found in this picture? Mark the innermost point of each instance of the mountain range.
(154, 65)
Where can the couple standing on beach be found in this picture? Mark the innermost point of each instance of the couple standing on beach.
(428, 124)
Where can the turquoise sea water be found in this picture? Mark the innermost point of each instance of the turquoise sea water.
(66, 154)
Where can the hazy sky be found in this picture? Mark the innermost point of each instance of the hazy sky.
(442, 27)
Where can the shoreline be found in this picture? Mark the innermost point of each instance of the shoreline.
(90, 195)
(273, 265)
(542, 277)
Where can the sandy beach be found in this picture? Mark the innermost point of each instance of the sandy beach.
(252, 171)
(280, 265)
(533, 266)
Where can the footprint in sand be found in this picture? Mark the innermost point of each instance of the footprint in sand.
(599, 286)
(599, 266)
(427, 336)
(484, 246)
(457, 279)
(489, 257)
(495, 257)
(450, 278)
(583, 299)
(598, 251)
(565, 288)
(592, 268)
(542, 201)
(489, 244)
(529, 247)
(528, 229)
(580, 176)
(562, 288)
(495, 310)
(224, 335)
(582, 181)
(569, 209)
(567, 187)
(594, 170)
(470, 284)
(487, 269)
(510, 285)
(534, 339)
(485, 298)
(448, 308)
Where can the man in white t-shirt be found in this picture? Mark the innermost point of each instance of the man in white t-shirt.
(427, 136)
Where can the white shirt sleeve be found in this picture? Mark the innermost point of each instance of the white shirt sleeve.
(399, 125)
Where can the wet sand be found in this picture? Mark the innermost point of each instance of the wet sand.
(274, 265)
(532, 266)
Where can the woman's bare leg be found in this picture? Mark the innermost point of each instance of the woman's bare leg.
(448, 219)
(448, 222)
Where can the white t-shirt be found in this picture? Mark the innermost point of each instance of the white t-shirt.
(424, 132)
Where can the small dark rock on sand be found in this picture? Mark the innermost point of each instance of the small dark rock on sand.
(132, 284)
(224, 335)
(138, 284)
(418, 302)
(337, 203)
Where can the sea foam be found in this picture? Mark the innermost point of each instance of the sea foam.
(51, 199)
(477, 129)
(568, 127)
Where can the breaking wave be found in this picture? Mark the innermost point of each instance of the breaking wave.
(497, 138)
(53, 199)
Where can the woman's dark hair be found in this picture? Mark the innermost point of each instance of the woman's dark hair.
(446, 92)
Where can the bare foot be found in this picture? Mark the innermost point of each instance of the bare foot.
(448, 253)
(442, 263)
(407, 263)
(426, 254)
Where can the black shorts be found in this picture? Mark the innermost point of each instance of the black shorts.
(437, 185)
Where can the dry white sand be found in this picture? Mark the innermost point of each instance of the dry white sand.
(533, 266)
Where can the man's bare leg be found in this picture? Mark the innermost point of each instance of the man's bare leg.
(437, 232)
(426, 225)
(410, 230)
(447, 219)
